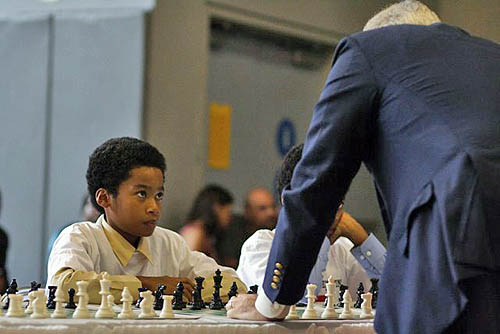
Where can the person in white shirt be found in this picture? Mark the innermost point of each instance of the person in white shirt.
(340, 264)
(348, 253)
(125, 180)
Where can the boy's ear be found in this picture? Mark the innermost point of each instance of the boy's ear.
(103, 198)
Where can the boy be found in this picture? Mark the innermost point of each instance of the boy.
(347, 242)
(125, 180)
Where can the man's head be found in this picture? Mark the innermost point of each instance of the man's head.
(405, 12)
(125, 181)
(260, 208)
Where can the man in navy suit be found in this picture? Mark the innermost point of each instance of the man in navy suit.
(418, 102)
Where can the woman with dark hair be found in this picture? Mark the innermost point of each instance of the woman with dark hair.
(210, 215)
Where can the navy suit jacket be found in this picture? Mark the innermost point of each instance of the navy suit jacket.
(420, 106)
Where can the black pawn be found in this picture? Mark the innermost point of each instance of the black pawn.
(253, 289)
(138, 303)
(11, 290)
(341, 294)
(359, 299)
(71, 299)
(374, 292)
(178, 303)
(233, 291)
(216, 303)
(51, 304)
(158, 305)
(198, 302)
(34, 286)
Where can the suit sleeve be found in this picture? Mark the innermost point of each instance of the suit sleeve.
(337, 141)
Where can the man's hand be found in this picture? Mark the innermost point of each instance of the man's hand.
(152, 283)
(243, 307)
(347, 227)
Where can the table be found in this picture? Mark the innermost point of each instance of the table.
(205, 321)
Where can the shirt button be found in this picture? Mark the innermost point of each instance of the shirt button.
(362, 257)
(368, 253)
(274, 285)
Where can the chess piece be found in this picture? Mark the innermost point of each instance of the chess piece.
(104, 310)
(216, 303)
(198, 302)
(71, 299)
(292, 314)
(347, 312)
(233, 291)
(146, 306)
(253, 289)
(342, 289)
(166, 311)
(139, 300)
(179, 304)
(58, 301)
(51, 304)
(40, 305)
(31, 298)
(374, 292)
(359, 292)
(329, 311)
(111, 304)
(366, 306)
(127, 300)
(310, 312)
(11, 290)
(158, 305)
(15, 309)
(82, 311)
(34, 285)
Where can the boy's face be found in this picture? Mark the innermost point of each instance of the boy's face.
(135, 210)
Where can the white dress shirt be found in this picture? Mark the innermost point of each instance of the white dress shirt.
(85, 247)
(253, 261)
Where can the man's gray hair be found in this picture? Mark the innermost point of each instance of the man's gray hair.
(405, 12)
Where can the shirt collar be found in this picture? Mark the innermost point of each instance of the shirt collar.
(121, 247)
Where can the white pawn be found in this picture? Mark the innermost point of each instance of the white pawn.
(81, 311)
(111, 304)
(146, 305)
(104, 310)
(166, 311)
(40, 305)
(347, 312)
(329, 311)
(127, 301)
(15, 306)
(59, 312)
(366, 306)
(31, 298)
(292, 314)
(310, 312)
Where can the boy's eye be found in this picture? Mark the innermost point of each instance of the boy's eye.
(159, 196)
(142, 194)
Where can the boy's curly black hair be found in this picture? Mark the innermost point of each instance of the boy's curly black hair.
(287, 166)
(110, 164)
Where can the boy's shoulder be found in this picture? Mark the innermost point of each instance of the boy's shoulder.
(261, 239)
(167, 234)
(82, 227)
